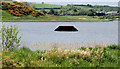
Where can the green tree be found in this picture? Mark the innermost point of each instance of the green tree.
(110, 16)
(51, 11)
(82, 12)
(98, 10)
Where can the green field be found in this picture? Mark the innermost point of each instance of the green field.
(6, 15)
(84, 7)
(46, 6)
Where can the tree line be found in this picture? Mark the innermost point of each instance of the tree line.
(75, 10)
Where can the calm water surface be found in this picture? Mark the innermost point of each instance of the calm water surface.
(43, 32)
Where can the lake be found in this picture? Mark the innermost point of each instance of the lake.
(42, 33)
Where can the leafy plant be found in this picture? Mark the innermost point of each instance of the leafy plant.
(10, 39)
(113, 47)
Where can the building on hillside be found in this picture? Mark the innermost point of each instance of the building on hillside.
(112, 12)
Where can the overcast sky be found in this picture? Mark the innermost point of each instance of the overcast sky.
(70, 0)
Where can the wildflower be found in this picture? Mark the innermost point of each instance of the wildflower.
(86, 53)
(67, 57)
(79, 52)
(76, 52)
(82, 52)
(59, 50)
(66, 51)
(72, 52)
(87, 49)
(56, 64)
(46, 53)
(42, 59)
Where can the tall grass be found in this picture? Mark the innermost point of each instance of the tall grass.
(43, 46)
(58, 57)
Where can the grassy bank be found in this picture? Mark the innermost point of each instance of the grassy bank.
(56, 57)
(22, 20)
(7, 17)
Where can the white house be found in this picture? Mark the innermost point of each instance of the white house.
(112, 12)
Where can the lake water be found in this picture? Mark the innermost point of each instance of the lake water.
(43, 33)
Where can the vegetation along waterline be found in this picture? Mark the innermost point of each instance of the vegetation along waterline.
(57, 57)
(25, 12)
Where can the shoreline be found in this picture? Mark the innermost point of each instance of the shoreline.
(55, 21)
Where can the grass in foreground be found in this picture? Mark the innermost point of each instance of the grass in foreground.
(56, 57)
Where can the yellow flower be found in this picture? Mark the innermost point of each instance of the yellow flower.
(59, 50)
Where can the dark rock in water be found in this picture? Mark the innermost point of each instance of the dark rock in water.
(66, 28)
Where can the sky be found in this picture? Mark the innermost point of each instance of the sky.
(70, 0)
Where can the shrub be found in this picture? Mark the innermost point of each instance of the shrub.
(10, 40)
(113, 47)
(19, 9)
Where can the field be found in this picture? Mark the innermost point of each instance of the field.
(84, 7)
(46, 6)
(6, 15)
